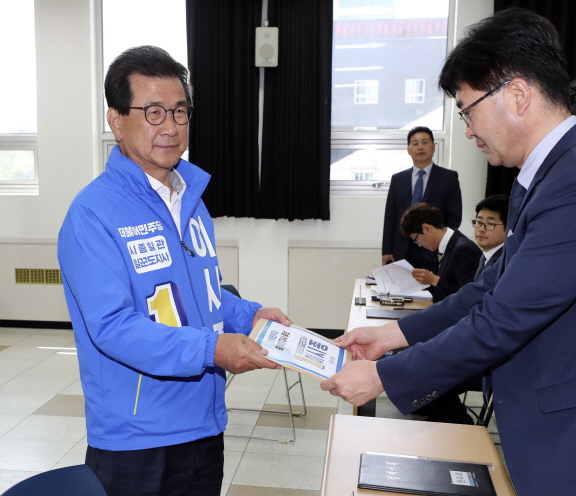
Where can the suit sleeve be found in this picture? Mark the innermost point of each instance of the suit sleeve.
(390, 219)
(426, 324)
(454, 203)
(509, 316)
(97, 288)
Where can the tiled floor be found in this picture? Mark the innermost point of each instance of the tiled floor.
(42, 419)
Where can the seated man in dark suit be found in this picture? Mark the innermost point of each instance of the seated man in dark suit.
(490, 230)
(458, 256)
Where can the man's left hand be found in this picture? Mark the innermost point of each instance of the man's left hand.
(271, 314)
(358, 382)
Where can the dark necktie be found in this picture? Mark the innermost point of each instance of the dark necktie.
(481, 267)
(418, 189)
(516, 197)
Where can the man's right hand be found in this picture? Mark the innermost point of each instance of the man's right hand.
(370, 343)
(387, 258)
(234, 354)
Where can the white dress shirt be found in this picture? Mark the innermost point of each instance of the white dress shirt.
(415, 171)
(444, 241)
(488, 254)
(174, 202)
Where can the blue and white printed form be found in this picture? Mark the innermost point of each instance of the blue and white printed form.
(299, 349)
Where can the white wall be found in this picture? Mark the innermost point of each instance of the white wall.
(68, 144)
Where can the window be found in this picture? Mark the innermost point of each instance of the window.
(365, 92)
(18, 118)
(386, 58)
(130, 23)
(415, 90)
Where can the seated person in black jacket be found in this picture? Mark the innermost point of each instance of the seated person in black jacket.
(458, 256)
(458, 259)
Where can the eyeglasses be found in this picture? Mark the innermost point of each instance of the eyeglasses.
(415, 240)
(464, 113)
(489, 226)
(156, 114)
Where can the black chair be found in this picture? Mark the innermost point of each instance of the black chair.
(78, 480)
(231, 289)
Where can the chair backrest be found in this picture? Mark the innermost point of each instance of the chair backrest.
(230, 288)
(78, 480)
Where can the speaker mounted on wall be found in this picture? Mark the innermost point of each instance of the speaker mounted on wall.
(266, 47)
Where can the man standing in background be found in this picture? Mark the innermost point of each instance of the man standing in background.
(424, 182)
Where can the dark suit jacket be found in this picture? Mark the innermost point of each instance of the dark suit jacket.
(519, 319)
(457, 267)
(490, 263)
(442, 191)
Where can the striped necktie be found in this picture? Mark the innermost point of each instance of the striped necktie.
(418, 189)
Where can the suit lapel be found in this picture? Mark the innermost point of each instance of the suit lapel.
(431, 184)
(406, 188)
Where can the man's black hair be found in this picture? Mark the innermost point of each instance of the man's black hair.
(496, 203)
(419, 214)
(419, 129)
(512, 43)
(149, 61)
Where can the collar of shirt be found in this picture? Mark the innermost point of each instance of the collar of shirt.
(177, 183)
(444, 241)
(425, 177)
(488, 254)
(535, 159)
(173, 203)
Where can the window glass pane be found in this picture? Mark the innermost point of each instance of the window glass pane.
(368, 165)
(386, 57)
(18, 63)
(130, 23)
(16, 164)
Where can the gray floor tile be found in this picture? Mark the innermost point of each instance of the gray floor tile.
(316, 417)
(47, 428)
(270, 470)
(10, 336)
(237, 490)
(65, 405)
(36, 456)
(231, 462)
(22, 403)
(308, 442)
(9, 478)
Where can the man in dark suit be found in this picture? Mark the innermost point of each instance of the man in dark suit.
(458, 262)
(509, 76)
(424, 182)
(490, 230)
(458, 257)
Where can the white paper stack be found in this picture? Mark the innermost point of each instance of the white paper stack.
(396, 279)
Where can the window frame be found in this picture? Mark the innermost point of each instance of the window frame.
(394, 139)
(20, 142)
(413, 96)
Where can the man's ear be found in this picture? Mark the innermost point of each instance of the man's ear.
(520, 91)
(425, 228)
(113, 118)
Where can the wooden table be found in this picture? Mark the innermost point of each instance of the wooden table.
(350, 436)
(357, 318)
